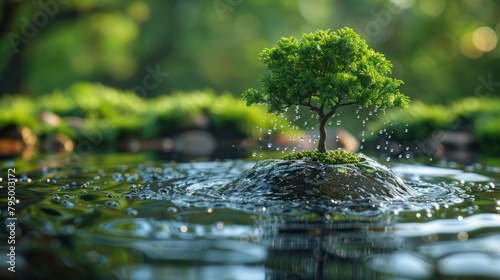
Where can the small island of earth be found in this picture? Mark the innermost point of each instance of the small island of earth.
(360, 178)
(323, 71)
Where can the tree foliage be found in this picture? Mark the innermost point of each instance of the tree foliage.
(323, 71)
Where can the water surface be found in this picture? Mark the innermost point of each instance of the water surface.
(133, 217)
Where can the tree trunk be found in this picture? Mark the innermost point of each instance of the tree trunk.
(322, 134)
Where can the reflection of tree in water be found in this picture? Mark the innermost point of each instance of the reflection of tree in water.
(326, 250)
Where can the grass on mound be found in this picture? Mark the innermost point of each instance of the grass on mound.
(331, 157)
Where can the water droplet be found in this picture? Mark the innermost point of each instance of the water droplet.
(67, 204)
(220, 225)
(131, 211)
(378, 147)
(270, 145)
(171, 209)
(269, 131)
(339, 122)
(406, 130)
(254, 154)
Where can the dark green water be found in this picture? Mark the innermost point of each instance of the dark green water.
(134, 217)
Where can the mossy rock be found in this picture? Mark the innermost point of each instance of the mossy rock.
(282, 179)
(331, 157)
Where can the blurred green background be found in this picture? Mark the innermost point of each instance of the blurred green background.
(441, 49)
(444, 51)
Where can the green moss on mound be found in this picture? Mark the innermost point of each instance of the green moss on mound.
(331, 157)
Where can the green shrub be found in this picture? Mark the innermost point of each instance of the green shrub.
(117, 114)
(478, 115)
(487, 133)
(222, 110)
(18, 111)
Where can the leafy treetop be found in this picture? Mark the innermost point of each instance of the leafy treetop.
(324, 71)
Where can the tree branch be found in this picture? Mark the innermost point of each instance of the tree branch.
(312, 107)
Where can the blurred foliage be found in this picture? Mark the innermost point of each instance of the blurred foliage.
(17, 111)
(488, 134)
(416, 123)
(478, 115)
(87, 108)
(440, 49)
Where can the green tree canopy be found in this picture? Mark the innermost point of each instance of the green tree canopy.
(323, 71)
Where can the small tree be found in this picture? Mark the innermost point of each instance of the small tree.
(324, 71)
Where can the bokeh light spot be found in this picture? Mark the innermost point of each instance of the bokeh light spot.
(403, 4)
(315, 11)
(468, 48)
(139, 11)
(432, 7)
(472, 4)
(462, 236)
(485, 39)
